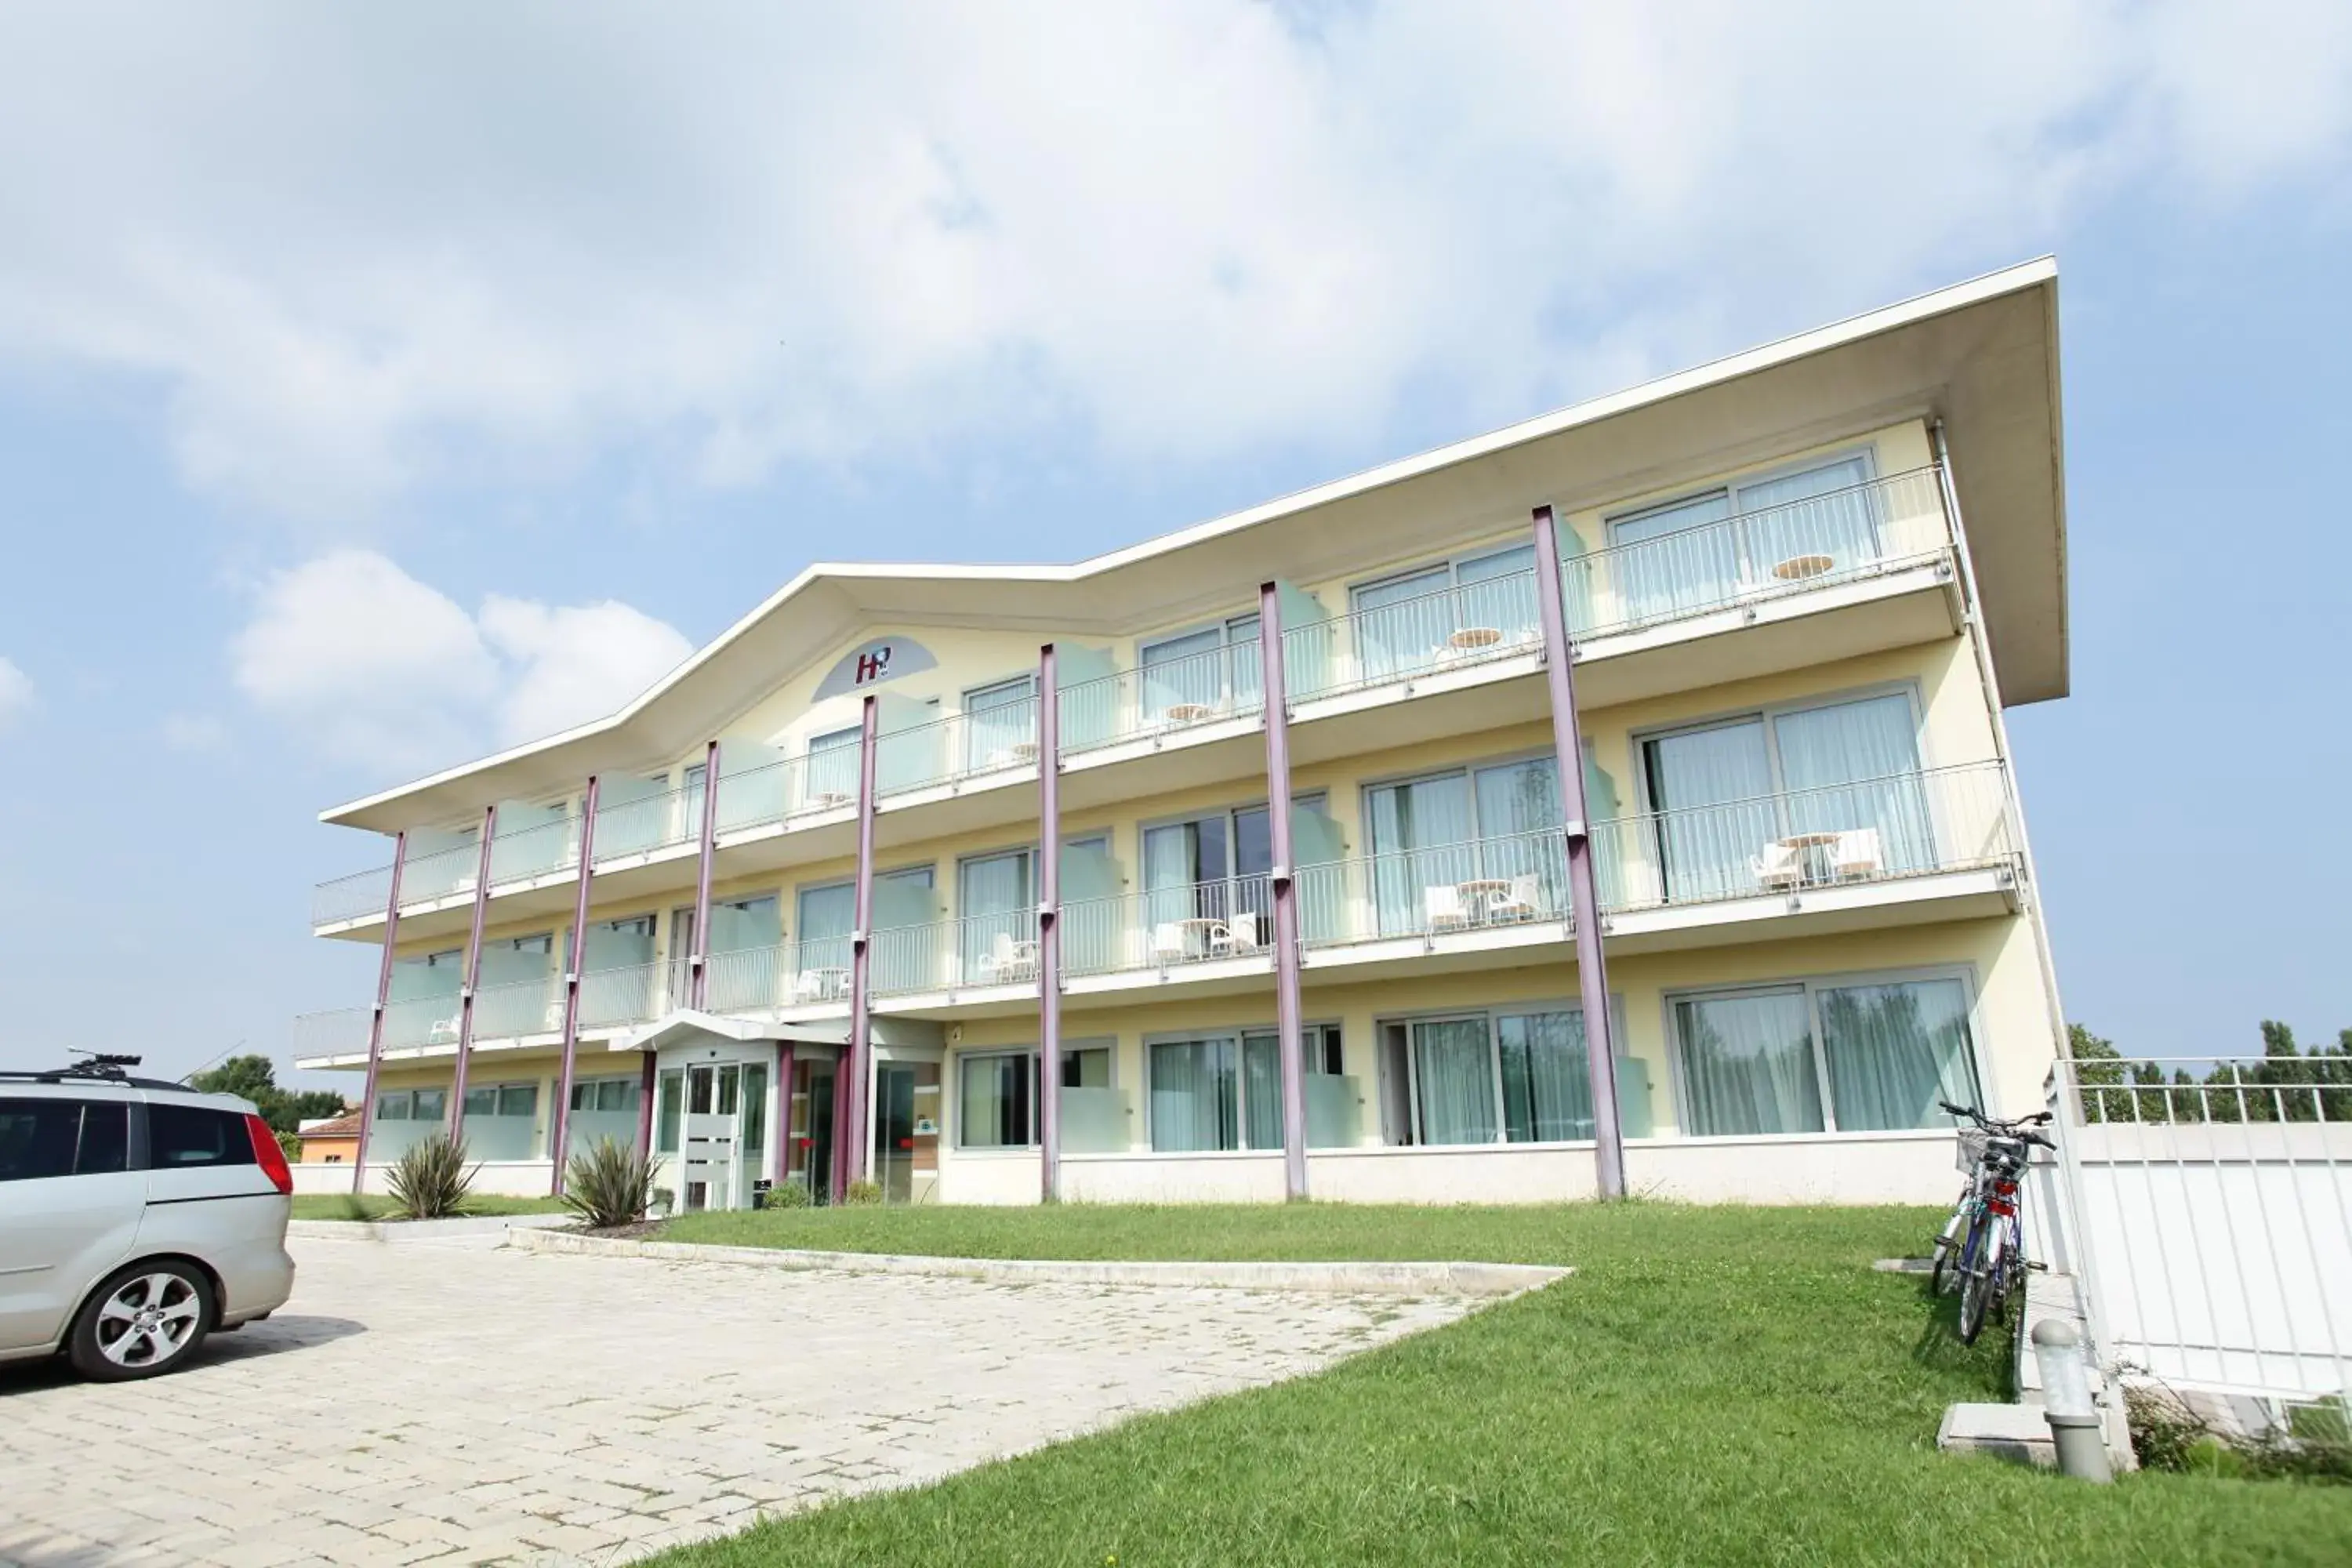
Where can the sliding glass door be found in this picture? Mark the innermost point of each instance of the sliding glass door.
(1422, 852)
(1795, 797)
(1811, 1056)
(1703, 550)
(996, 898)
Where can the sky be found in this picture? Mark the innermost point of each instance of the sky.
(379, 386)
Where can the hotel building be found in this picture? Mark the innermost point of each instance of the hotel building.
(976, 882)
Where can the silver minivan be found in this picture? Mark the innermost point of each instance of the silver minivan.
(136, 1217)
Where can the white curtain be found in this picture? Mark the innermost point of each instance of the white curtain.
(1422, 839)
(1747, 1064)
(832, 765)
(1193, 1096)
(826, 917)
(998, 719)
(1547, 1083)
(1245, 663)
(1499, 591)
(1401, 623)
(1829, 510)
(1186, 669)
(1856, 765)
(1261, 1090)
(1711, 789)
(994, 899)
(1895, 1050)
(1179, 858)
(1454, 1067)
(1674, 560)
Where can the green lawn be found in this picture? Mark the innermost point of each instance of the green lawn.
(344, 1206)
(1713, 1385)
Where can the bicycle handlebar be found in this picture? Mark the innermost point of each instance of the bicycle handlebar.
(2021, 1129)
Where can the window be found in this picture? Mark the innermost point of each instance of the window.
(1216, 671)
(184, 1137)
(1771, 794)
(605, 1095)
(1451, 846)
(833, 763)
(755, 1108)
(1225, 1091)
(666, 1107)
(1814, 1056)
(1409, 622)
(1000, 723)
(1214, 868)
(997, 1099)
(41, 1138)
(1515, 1076)
(1706, 549)
(501, 1100)
(412, 1104)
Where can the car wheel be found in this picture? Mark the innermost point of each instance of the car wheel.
(144, 1319)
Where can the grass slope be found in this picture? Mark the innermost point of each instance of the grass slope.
(1714, 1385)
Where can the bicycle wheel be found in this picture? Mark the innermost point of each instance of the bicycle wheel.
(1946, 1273)
(1983, 1269)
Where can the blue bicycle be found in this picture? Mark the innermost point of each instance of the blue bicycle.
(1982, 1248)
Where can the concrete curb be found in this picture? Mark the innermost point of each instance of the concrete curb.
(1485, 1280)
(410, 1230)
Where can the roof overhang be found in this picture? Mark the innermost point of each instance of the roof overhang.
(1981, 356)
(681, 1027)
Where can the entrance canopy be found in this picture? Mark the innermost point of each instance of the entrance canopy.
(681, 1026)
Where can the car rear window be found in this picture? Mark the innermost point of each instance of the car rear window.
(181, 1137)
(62, 1138)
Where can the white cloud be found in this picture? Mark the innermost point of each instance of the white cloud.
(360, 250)
(371, 667)
(16, 692)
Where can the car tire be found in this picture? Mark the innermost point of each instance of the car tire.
(146, 1320)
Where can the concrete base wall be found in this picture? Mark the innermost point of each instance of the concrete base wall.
(502, 1178)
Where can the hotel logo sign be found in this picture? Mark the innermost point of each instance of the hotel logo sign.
(870, 664)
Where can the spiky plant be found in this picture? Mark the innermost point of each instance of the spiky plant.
(430, 1181)
(608, 1184)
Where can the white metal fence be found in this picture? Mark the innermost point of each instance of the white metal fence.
(2214, 1209)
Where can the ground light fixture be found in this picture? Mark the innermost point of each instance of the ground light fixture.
(2075, 1429)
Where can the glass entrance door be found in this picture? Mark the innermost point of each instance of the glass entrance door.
(894, 1132)
(710, 1153)
(819, 1166)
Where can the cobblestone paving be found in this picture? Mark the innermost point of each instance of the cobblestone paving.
(449, 1404)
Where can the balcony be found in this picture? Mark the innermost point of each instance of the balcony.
(1861, 568)
(1932, 845)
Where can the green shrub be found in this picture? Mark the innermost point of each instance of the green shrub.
(789, 1196)
(608, 1184)
(429, 1181)
(863, 1193)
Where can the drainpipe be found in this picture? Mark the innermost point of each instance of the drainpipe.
(849, 1079)
(1049, 924)
(2030, 892)
(473, 973)
(1286, 894)
(697, 985)
(559, 1125)
(382, 1000)
(1583, 892)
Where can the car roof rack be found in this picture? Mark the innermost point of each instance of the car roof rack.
(94, 1068)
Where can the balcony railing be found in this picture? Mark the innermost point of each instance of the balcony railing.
(608, 998)
(1168, 928)
(1737, 561)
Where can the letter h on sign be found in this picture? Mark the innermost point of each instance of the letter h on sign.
(873, 666)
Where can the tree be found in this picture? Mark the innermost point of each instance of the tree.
(252, 1078)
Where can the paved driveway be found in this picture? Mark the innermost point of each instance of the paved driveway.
(455, 1403)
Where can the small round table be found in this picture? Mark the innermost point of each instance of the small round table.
(1811, 854)
(1197, 931)
(1469, 639)
(1478, 890)
(1796, 568)
(1188, 712)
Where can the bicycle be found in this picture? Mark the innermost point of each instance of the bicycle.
(1982, 1247)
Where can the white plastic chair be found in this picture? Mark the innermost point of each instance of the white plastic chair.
(1518, 904)
(1444, 907)
(1008, 960)
(1776, 870)
(1236, 938)
(1856, 853)
(1168, 944)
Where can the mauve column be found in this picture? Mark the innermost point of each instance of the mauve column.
(473, 973)
(1286, 894)
(1049, 925)
(1583, 894)
(382, 1000)
(849, 1079)
(697, 985)
(783, 1133)
(646, 1105)
(560, 1123)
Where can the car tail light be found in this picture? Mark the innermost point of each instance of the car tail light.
(268, 1155)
